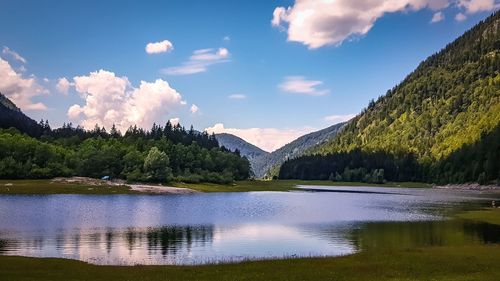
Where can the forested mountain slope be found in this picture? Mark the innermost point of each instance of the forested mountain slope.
(450, 101)
(233, 143)
(294, 149)
(264, 163)
(447, 102)
(12, 117)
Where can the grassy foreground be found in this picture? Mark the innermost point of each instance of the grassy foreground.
(441, 263)
(52, 187)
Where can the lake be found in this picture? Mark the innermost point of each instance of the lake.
(225, 227)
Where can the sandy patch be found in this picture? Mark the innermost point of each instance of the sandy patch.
(140, 187)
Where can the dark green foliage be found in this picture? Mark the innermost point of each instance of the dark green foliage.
(33, 150)
(445, 114)
(156, 166)
(138, 156)
(355, 165)
(478, 162)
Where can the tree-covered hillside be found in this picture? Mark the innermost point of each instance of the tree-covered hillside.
(164, 153)
(450, 101)
(12, 117)
(248, 150)
(267, 165)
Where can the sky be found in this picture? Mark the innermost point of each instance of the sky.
(267, 71)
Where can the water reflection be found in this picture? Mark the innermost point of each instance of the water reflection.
(171, 244)
(207, 243)
(231, 227)
(421, 234)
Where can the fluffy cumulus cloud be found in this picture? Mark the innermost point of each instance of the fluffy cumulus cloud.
(20, 89)
(268, 139)
(301, 85)
(334, 119)
(63, 85)
(8, 52)
(476, 6)
(110, 99)
(159, 47)
(199, 61)
(317, 23)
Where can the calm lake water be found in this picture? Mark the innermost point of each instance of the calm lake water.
(223, 227)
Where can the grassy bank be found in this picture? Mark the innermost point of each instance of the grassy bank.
(52, 187)
(59, 187)
(490, 215)
(442, 263)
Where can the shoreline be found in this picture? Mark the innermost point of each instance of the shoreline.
(469, 186)
(138, 187)
(85, 185)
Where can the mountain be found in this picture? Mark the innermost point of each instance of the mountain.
(264, 163)
(233, 143)
(12, 117)
(294, 149)
(450, 101)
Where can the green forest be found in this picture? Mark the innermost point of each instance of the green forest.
(441, 122)
(162, 154)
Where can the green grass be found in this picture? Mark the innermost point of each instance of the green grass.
(440, 264)
(491, 216)
(50, 187)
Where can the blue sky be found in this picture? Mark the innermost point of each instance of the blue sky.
(265, 81)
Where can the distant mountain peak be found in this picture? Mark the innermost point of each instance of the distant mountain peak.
(8, 103)
(263, 161)
(12, 117)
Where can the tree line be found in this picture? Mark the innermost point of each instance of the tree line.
(477, 162)
(161, 154)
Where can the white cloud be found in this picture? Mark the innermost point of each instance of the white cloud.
(437, 17)
(110, 99)
(300, 85)
(334, 119)
(199, 61)
(460, 17)
(13, 54)
(476, 6)
(226, 38)
(19, 89)
(159, 47)
(268, 139)
(318, 23)
(174, 121)
(237, 97)
(63, 85)
(74, 111)
(194, 109)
